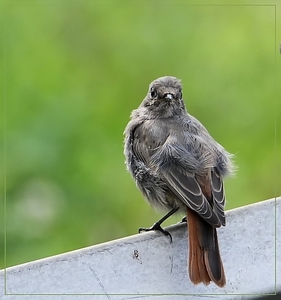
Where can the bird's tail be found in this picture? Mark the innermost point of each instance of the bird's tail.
(205, 263)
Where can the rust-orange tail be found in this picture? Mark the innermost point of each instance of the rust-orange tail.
(205, 263)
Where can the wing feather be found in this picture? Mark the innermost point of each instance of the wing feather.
(187, 189)
(218, 194)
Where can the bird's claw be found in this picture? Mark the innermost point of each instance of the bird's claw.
(156, 226)
(183, 220)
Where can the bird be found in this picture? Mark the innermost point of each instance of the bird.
(178, 166)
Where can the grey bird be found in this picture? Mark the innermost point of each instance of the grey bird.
(177, 165)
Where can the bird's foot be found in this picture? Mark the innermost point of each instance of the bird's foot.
(183, 220)
(156, 226)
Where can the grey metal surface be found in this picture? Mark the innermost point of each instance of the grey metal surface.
(143, 265)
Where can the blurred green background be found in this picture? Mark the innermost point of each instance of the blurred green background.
(73, 71)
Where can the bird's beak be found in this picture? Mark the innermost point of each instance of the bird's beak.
(169, 96)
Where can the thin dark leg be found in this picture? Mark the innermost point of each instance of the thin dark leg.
(157, 225)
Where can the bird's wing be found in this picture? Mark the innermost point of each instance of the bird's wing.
(134, 148)
(187, 189)
(218, 194)
(145, 144)
(202, 193)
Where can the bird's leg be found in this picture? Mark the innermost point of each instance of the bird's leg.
(157, 225)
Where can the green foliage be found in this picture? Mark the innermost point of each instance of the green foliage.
(74, 71)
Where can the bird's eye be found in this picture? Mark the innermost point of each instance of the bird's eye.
(153, 93)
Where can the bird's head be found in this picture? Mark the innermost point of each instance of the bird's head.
(164, 97)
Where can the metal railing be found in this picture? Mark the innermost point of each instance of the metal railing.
(147, 265)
